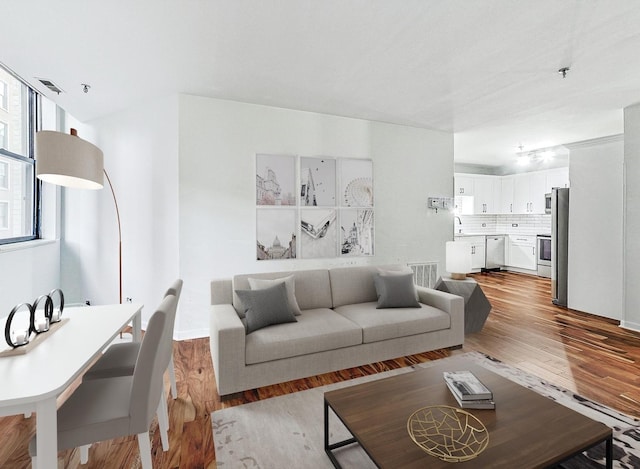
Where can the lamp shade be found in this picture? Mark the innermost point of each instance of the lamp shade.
(67, 160)
(458, 262)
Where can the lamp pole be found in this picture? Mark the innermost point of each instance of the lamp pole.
(115, 201)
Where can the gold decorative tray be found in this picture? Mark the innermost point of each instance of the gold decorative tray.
(448, 433)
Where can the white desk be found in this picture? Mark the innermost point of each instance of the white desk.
(33, 381)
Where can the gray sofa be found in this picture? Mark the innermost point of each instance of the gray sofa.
(339, 327)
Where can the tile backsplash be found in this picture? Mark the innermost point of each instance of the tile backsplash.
(503, 224)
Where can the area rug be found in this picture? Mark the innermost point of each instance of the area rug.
(287, 431)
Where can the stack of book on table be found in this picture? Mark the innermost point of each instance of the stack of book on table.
(469, 390)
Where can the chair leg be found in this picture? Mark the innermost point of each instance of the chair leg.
(163, 421)
(84, 454)
(172, 377)
(145, 450)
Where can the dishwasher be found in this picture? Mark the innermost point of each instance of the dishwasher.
(494, 252)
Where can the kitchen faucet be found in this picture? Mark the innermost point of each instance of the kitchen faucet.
(460, 222)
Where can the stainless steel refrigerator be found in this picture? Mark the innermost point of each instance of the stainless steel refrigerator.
(559, 245)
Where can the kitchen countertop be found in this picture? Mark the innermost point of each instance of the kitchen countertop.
(457, 235)
(470, 234)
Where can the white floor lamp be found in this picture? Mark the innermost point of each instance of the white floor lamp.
(67, 160)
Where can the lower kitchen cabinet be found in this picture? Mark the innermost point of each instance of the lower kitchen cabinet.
(478, 250)
(522, 252)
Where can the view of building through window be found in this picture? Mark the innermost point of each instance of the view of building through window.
(17, 178)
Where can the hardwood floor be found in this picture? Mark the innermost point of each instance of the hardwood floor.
(587, 354)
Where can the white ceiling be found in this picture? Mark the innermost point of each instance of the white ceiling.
(484, 69)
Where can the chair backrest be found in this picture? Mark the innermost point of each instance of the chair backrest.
(175, 289)
(147, 374)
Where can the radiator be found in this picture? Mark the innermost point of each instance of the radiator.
(425, 274)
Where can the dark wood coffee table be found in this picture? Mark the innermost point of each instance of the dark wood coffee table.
(526, 430)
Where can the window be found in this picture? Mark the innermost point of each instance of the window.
(4, 216)
(4, 175)
(18, 188)
(3, 95)
(4, 138)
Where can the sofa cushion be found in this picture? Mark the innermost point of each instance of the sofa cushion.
(383, 324)
(352, 285)
(312, 288)
(289, 283)
(266, 307)
(317, 330)
(395, 290)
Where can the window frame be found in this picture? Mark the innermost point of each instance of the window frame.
(6, 176)
(4, 142)
(33, 122)
(6, 225)
(4, 99)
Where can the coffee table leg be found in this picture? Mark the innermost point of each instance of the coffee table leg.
(609, 454)
(328, 448)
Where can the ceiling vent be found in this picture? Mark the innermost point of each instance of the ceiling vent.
(49, 84)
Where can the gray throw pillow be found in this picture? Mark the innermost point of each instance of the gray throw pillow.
(289, 283)
(266, 307)
(395, 291)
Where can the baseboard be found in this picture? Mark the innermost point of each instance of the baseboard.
(632, 326)
(191, 334)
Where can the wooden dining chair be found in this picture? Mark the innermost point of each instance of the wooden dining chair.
(103, 409)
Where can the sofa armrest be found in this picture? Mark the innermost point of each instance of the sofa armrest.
(227, 343)
(447, 302)
(221, 291)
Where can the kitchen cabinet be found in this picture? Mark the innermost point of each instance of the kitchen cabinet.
(521, 193)
(528, 192)
(463, 185)
(506, 200)
(486, 193)
(522, 252)
(478, 250)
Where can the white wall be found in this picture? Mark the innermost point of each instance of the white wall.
(141, 157)
(27, 272)
(184, 173)
(596, 227)
(218, 143)
(632, 217)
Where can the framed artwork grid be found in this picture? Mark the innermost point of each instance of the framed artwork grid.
(313, 207)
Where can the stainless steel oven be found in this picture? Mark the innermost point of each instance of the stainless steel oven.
(544, 255)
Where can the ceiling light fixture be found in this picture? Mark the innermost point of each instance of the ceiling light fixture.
(85, 87)
(541, 154)
(563, 71)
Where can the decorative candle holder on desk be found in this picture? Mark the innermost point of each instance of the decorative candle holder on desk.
(18, 338)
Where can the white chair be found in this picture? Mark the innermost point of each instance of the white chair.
(103, 409)
(120, 359)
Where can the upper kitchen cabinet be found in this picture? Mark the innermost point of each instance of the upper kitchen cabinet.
(463, 185)
(506, 201)
(528, 192)
(521, 193)
(487, 191)
(558, 177)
